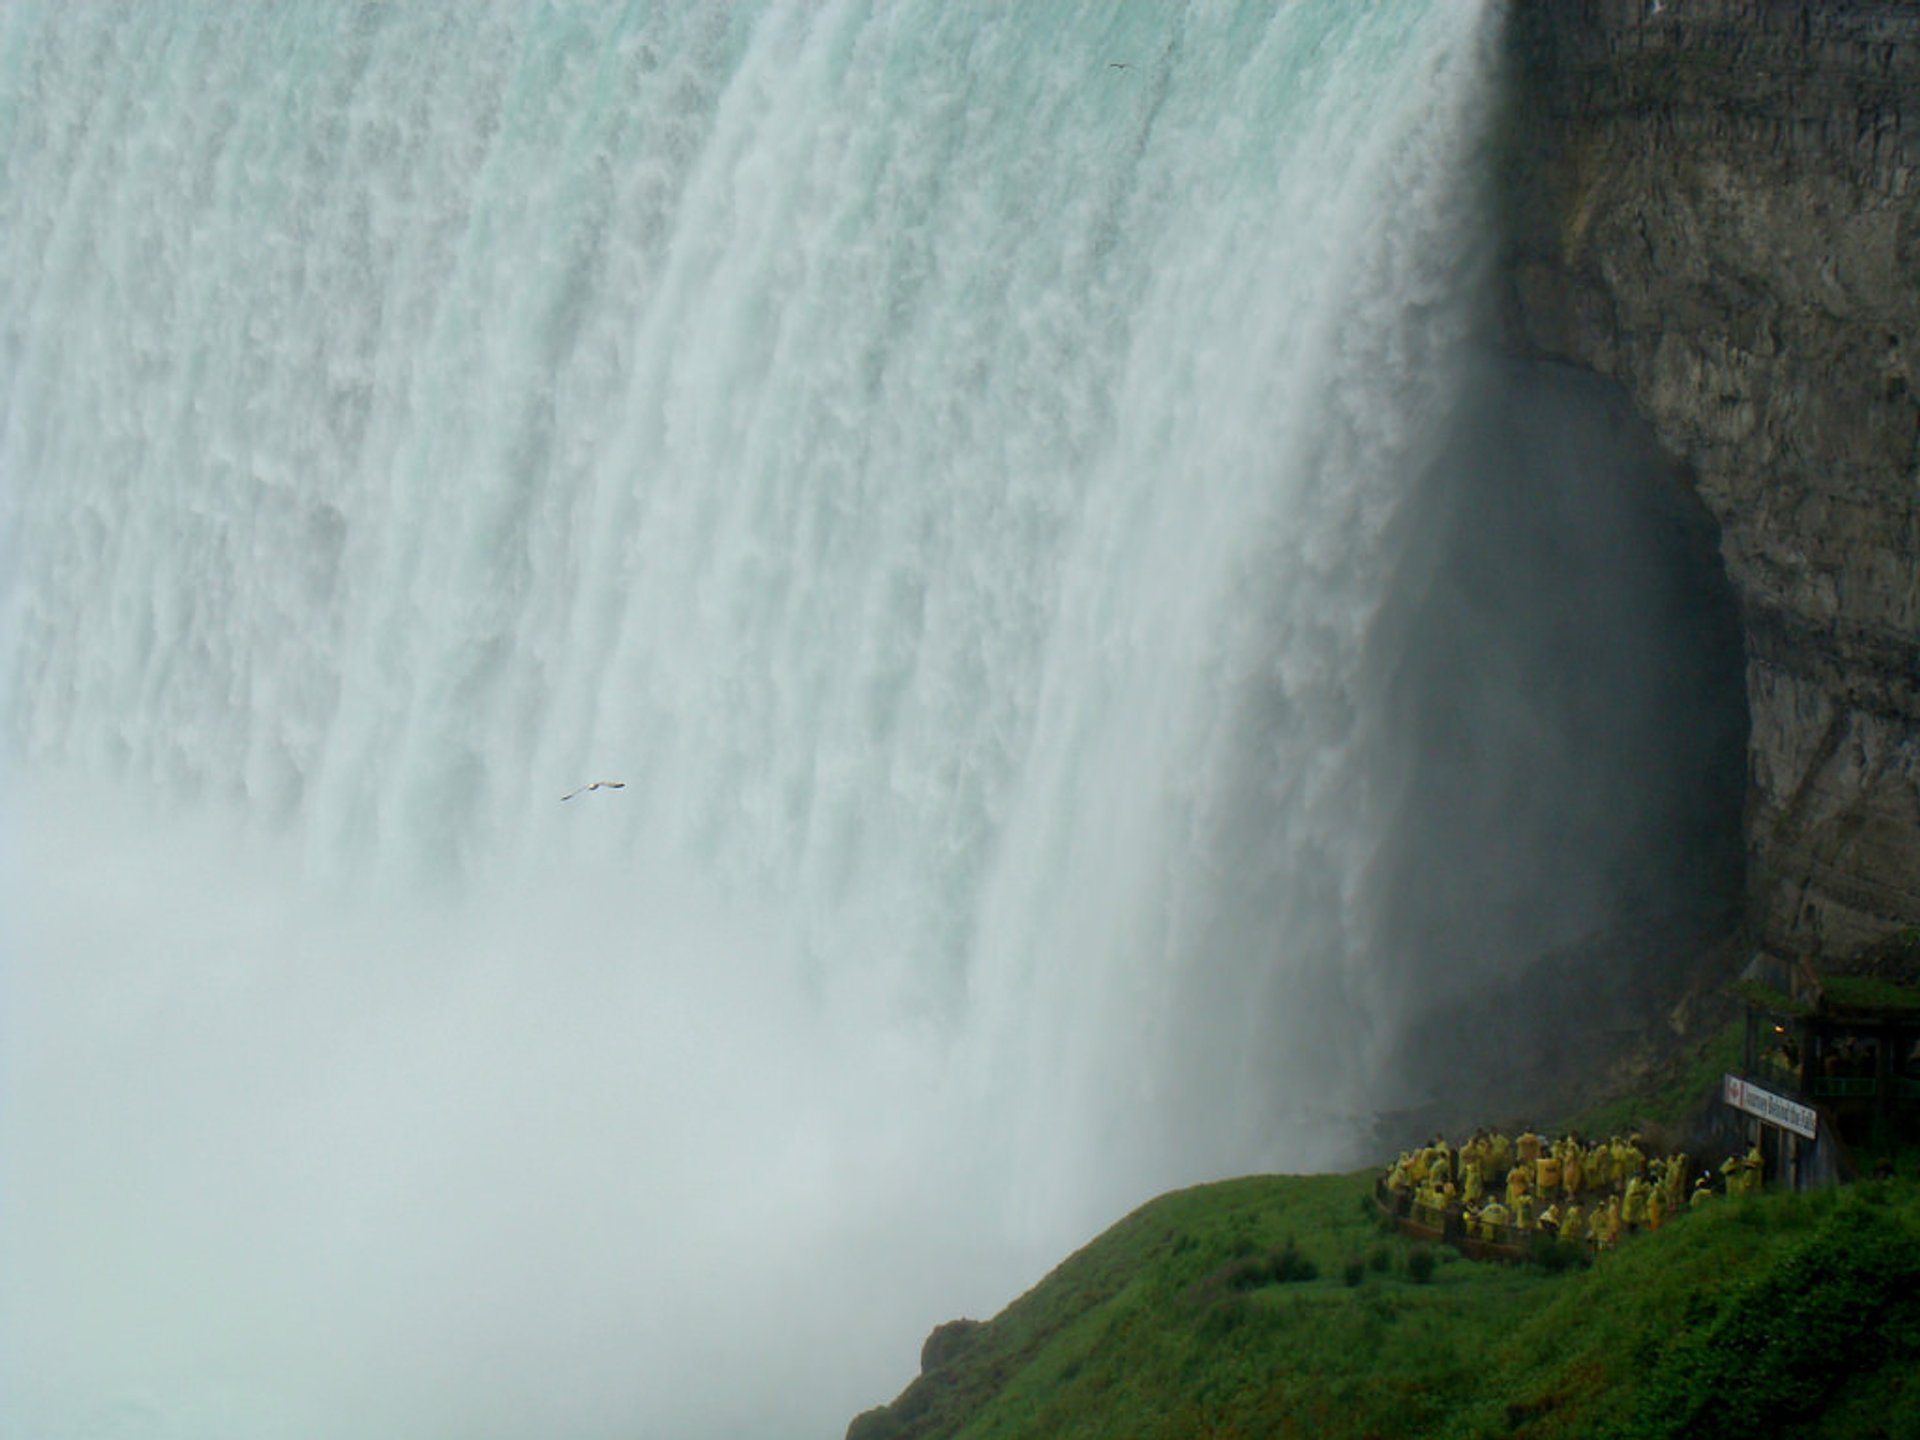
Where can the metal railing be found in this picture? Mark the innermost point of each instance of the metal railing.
(1845, 1087)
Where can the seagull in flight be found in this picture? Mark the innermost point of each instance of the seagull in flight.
(596, 785)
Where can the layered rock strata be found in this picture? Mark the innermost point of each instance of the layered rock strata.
(1717, 204)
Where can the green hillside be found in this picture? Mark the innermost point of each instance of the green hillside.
(1278, 1305)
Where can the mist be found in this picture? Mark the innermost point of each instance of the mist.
(566, 1161)
(1560, 681)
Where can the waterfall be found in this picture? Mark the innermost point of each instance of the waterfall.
(942, 460)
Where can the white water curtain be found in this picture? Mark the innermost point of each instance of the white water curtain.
(940, 459)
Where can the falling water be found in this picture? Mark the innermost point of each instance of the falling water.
(941, 459)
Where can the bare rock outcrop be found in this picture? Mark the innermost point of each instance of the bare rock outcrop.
(1717, 204)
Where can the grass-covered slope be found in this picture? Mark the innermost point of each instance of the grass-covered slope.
(1276, 1306)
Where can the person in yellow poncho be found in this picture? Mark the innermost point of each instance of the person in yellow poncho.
(1526, 1150)
(1573, 1165)
(1596, 1229)
(1676, 1181)
(1573, 1221)
(1517, 1184)
(1546, 1175)
(1599, 1166)
(1633, 1207)
(1730, 1181)
(1494, 1218)
(1628, 1159)
(1606, 1223)
(1472, 1182)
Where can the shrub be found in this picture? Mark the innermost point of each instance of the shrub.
(1224, 1317)
(1290, 1266)
(1354, 1272)
(1771, 1354)
(1284, 1266)
(1555, 1256)
(1420, 1265)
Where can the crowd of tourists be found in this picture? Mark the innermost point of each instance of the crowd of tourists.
(1507, 1191)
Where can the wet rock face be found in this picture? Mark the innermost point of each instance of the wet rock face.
(1717, 204)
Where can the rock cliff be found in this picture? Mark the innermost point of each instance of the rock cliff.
(1716, 203)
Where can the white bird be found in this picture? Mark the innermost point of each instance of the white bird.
(596, 785)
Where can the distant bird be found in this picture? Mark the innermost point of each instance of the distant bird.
(1116, 65)
(596, 785)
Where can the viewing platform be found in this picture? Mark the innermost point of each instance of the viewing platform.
(1842, 1040)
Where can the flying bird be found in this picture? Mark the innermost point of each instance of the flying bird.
(1116, 65)
(596, 785)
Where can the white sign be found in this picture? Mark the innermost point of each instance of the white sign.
(1772, 1108)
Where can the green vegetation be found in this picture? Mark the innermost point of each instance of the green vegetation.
(1282, 1306)
(1690, 1078)
(1867, 992)
(1279, 1306)
(1765, 997)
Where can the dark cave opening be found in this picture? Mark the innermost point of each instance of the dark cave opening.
(1561, 670)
